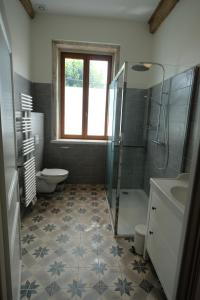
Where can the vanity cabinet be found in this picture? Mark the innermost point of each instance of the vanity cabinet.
(164, 225)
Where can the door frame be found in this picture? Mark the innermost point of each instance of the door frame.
(188, 271)
(5, 263)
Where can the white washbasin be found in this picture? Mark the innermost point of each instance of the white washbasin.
(180, 193)
(175, 189)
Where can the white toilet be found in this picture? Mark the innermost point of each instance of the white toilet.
(47, 179)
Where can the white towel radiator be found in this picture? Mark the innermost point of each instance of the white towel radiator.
(28, 149)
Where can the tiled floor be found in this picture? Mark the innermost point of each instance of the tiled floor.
(69, 252)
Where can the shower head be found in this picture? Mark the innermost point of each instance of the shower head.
(141, 67)
(146, 66)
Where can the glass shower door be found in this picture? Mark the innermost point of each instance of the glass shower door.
(110, 147)
(114, 143)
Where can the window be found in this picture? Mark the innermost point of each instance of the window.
(84, 92)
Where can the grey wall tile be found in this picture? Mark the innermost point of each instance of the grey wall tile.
(86, 163)
(135, 105)
(21, 85)
(179, 93)
(182, 80)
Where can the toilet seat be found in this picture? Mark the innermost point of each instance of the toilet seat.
(47, 179)
(54, 172)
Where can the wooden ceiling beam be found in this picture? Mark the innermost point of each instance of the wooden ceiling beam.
(160, 14)
(28, 8)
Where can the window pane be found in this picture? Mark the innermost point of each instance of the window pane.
(73, 96)
(97, 97)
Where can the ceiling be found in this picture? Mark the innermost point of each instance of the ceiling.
(139, 10)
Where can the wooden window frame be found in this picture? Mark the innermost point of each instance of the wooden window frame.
(86, 60)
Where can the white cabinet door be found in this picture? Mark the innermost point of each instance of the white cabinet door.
(9, 192)
(164, 262)
(170, 224)
(163, 238)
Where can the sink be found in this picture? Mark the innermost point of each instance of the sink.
(180, 193)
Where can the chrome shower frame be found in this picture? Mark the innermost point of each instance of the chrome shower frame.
(119, 141)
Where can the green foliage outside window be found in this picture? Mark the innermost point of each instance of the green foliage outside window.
(74, 74)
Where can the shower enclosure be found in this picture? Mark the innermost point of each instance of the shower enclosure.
(125, 161)
(138, 130)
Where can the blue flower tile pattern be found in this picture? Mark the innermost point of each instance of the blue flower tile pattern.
(116, 251)
(49, 227)
(28, 289)
(70, 204)
(52, 288)
(37, 219)
(27, 239)
(82, 210)
(45, 203)
(100, 287)
(63, 238)
(99, 268)
(79, 251)
(80, 227)
(97, 238)
(69, 232)
(77, 288)
(96, 219)
(124, 287)
(67, 218)
(56, 268)
(41, 252)
(55, 210)
(139, 266)
(146, 286)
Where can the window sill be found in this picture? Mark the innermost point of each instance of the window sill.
(78, 141)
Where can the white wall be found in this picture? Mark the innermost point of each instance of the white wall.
(175, 44)
(19, 25)
(177, 41)
(133, 37)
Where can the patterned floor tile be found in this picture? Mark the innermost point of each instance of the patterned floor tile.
(111, 294)
(90, 277)
(111, 276)
(68, 276)
(68, 251)
(30, 288)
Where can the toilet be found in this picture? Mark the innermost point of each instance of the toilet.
(47, 179)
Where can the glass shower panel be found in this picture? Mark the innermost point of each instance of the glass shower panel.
(133, 202)
(114, 116)
(110, 152)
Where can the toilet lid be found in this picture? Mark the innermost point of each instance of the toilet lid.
(54, 172)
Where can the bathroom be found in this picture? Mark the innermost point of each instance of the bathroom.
(104, 207)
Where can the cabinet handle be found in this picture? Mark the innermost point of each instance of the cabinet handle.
(153, 208)
(150, 232)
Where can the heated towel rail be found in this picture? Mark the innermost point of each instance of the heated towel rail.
(28, 151)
